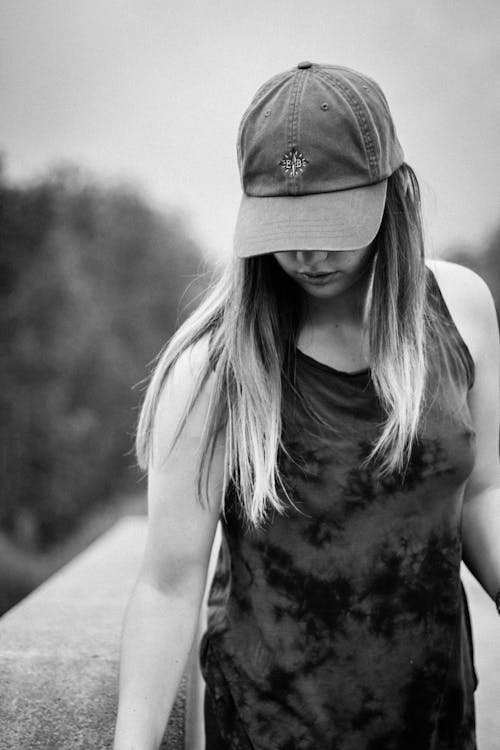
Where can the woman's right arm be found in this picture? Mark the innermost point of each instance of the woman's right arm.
(162, 616)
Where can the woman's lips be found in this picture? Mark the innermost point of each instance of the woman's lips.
(318, 278)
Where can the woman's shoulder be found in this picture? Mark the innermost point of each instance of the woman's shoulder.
(468, 299)
(188, 387)
(195, 357)
(452, 274)
(193, 360)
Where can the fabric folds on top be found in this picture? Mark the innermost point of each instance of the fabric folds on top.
(344, 625)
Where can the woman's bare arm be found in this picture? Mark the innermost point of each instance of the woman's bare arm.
(162, 615)
(481, 515)
(473, 310)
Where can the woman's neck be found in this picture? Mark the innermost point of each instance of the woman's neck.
(347, 309)
(331, 313)
(334, 330)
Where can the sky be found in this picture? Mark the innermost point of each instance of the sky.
(151, 92)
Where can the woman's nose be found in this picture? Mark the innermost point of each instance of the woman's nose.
(311, 257)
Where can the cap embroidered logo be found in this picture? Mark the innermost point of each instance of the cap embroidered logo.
(294, 163)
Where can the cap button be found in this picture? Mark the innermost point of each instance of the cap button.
(304, 65)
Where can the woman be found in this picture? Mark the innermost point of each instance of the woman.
(335, 402)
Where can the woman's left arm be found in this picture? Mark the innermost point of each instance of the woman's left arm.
(472, 308)
(481, 512)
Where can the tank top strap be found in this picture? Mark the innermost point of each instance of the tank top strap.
(436, 299)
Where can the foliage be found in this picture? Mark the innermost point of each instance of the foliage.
(90, 284)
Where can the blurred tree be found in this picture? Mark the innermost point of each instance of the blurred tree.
(90, 284)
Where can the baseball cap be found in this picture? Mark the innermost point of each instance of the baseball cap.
(315, 149)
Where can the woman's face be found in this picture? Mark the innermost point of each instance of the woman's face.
(323, 274)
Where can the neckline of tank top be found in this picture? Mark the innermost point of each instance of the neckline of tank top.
(365, 373)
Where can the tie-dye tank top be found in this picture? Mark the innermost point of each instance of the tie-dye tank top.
(343, 625)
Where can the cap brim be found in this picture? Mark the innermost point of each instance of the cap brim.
(341, 220)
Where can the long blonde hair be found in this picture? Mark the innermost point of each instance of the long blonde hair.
(252, 315)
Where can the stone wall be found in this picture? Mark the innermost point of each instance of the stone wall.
(59, 653)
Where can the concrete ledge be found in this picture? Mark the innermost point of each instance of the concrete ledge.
(59, 652)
